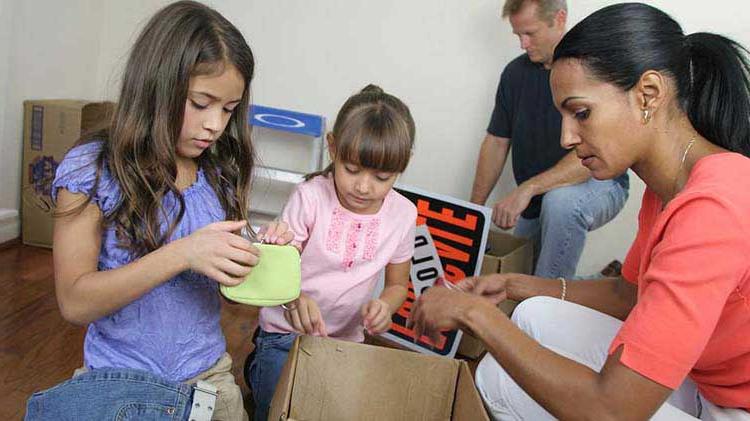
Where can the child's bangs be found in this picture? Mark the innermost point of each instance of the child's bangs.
(387, 150)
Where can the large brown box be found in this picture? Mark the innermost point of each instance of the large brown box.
(327, 379)
(506, 254)
(50, 128)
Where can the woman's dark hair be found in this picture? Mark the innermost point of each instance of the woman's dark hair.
(182, 40)
(373, 129)
(620, 42)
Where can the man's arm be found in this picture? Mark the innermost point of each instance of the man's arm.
(567, 172)
(490, 163)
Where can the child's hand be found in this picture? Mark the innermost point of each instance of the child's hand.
(377, 316)
(304, 316)
(217, 252)
(276, 232)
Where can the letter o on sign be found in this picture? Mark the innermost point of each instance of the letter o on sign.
(427, 273)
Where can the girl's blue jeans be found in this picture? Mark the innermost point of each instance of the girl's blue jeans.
(264, 369)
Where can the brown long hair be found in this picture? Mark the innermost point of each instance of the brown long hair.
(182, 40)
(373, 129)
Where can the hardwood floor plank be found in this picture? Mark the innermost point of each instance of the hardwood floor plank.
(39, 349)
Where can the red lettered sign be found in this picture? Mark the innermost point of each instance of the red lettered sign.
(457, 235)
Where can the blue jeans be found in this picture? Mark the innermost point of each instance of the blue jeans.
(271, 351)
(107, 394)
(568, 214)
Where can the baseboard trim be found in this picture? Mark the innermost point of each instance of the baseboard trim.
(10, 225)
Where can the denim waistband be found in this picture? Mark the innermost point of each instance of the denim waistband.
(131, 375)
(123, 394)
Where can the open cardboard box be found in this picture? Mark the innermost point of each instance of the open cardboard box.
(327, 379)
(506, 254)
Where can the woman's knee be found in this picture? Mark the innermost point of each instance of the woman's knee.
(488, 378)
(533, 311)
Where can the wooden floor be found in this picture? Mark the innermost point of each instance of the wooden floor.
(39, 349)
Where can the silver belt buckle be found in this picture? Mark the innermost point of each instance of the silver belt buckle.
(204, 401)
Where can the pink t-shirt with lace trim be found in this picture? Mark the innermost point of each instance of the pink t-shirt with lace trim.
(343, 253)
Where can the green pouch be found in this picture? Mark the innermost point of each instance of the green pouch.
(275, 280)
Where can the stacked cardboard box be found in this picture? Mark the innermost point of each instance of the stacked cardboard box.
(50, 128)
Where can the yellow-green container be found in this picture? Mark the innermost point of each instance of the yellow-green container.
(275, 280)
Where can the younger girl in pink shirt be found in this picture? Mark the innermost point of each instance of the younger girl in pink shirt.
(349, 224)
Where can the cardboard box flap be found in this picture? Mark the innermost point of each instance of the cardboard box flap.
(96, 115)
(507, 254)
(467, 405)
(66, 103)
(279, 407)
(500, 243)
(338, 380)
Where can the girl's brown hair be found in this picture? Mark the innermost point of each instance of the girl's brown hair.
(182, 40)
(373, 129)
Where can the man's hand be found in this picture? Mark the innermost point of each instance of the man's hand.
(506, 212)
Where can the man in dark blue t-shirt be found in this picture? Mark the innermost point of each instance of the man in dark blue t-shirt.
(556, 202)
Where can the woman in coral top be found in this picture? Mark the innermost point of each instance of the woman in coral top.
(670, 338)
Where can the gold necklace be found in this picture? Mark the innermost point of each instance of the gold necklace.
(682, 163)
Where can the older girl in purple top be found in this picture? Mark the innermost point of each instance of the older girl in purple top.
(149, 207)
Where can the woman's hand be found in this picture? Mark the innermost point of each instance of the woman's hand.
(491, 287)
(442, 308)
(439, 309)
(305, 317)
(217, 252)
(500, 287)
(276, 232)
(377, 316)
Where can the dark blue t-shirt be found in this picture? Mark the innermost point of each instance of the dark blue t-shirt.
(525, 113)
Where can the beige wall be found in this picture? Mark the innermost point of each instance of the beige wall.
(48, 49)
(443, 57)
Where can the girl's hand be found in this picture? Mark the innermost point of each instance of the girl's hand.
(304, 316)
(377, 317)
(276, 232)
(217, 252)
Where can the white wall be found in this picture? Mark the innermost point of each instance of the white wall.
(48, 49)
(9, 224)
(443, 57)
